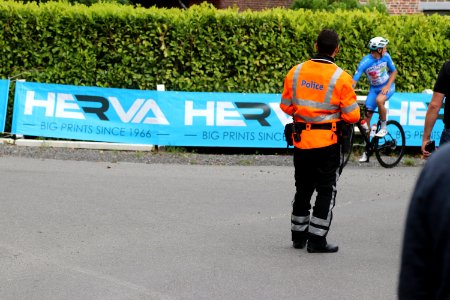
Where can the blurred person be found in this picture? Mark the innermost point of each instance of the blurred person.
(441, 91)
(425, 259)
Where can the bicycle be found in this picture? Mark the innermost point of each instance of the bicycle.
(388, 150)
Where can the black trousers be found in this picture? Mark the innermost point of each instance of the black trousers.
(316, 170)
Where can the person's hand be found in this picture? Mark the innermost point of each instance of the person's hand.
(425, 153)
(385, 90)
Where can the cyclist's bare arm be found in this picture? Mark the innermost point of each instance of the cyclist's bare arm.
(391, 80)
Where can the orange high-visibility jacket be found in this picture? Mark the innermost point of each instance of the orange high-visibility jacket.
(317, 92)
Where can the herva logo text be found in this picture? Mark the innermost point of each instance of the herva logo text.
(147, 111)
(61, 105)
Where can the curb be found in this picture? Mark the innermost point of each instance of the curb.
(78, 145)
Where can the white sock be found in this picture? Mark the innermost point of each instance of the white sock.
(383, 124)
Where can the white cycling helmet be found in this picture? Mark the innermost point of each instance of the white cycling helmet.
(377, 43)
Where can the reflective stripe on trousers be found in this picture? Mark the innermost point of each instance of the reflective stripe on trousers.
(315, 170)
(313, 225)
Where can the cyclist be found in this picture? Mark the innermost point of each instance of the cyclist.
(381, 72)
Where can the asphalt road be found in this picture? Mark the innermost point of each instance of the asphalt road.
(87, 230)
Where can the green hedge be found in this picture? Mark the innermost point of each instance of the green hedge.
(202, 48)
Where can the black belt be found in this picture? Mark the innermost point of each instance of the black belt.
(326, 126)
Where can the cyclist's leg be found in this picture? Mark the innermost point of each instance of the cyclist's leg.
(369, 108)
(370, 105)
(381, 100)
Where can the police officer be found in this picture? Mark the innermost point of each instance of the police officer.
(319, 96)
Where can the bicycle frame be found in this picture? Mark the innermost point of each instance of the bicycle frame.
(388, 149)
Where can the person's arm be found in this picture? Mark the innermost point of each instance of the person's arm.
(350, 111)
(393, 74)
(286, 104)
(358, 73)
(430, 119)
(391, 80)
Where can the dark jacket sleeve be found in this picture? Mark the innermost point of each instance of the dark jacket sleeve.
(442, 84)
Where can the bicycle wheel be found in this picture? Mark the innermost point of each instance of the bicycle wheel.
(349, 151)
(390, 149)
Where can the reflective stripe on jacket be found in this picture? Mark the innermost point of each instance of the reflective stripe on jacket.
(318, 91)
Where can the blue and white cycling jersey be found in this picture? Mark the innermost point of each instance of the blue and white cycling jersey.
(377, 70)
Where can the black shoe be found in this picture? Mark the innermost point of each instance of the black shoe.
(299, 244)
(322, 248)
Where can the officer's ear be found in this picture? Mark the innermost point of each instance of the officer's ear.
(336, 51)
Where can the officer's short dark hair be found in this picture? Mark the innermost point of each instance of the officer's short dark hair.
(327, 41)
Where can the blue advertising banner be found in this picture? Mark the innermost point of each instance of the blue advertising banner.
(176, 118)
(149, 117)
(4, 91)
(409, 109)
